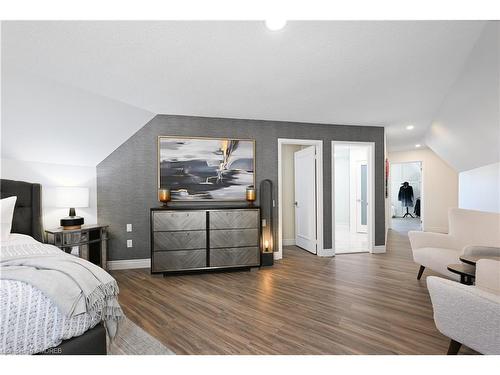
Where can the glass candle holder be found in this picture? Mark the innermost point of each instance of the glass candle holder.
(251, 195)
(164, 196)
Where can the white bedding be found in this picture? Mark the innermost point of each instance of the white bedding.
(29, 321)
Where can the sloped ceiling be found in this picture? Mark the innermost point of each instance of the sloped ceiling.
(76, 90)
(466, 129)
(50, 122)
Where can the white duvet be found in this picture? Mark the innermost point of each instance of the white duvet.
(29, 321)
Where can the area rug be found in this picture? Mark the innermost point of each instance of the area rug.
(133, 340)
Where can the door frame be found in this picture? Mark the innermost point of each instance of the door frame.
(319, 191)
(422, 210)
(371, 191)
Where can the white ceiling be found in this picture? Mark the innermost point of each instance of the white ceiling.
(364, 73)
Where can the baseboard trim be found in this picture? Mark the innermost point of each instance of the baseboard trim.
(379, 249)
(326, 253)
(289, 242)
(128, 264)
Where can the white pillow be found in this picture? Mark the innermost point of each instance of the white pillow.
(7, 212)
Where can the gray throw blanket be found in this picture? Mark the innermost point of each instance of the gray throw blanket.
(76, 286)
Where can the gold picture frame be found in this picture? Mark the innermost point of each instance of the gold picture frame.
(190, 198)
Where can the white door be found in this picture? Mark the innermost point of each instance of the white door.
(305, 198)
(362, 197)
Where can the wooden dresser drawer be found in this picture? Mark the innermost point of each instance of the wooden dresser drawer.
(175, 220)
(179, 260)
(180, 240)
(240, 256)
(234, 238)
(234, 219)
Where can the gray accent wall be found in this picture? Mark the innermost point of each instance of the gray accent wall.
(127, 178)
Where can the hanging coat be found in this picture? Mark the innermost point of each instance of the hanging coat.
(405, 196)
(417, 207)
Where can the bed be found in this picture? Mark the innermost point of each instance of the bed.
(31, 321)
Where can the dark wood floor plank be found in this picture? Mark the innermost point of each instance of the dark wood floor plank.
(349, 304)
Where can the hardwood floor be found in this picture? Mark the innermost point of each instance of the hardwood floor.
(349, 304)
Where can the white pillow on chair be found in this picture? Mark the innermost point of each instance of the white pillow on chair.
(7, 213)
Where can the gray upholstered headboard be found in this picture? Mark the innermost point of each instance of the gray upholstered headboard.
(28, 211)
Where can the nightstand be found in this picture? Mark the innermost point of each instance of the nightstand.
(89, 242)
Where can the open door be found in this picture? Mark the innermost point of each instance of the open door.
(362, 197)
(353, 184)
(305, 198)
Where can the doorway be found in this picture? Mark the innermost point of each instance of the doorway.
(406, 196)
(300, 195)
(353, 194)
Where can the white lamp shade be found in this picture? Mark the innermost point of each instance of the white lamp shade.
(72, 197)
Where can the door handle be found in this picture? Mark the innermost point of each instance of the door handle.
(296, 204)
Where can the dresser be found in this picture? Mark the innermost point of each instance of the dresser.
(196, 239)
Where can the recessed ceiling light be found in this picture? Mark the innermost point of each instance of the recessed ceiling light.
(410, 127)
(275, 24)
(418, 145)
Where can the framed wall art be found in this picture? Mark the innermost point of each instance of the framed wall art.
(199, 169)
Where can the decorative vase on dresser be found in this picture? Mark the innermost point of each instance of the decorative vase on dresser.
(195, 239)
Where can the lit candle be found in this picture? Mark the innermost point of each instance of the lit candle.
(250, 195)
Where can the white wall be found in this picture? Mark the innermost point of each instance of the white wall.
(479, 188)
(440, 187)
(465, 131)
(50, 176)
(287, 158)
(342, 184)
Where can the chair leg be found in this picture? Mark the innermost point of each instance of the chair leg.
(420, 272)
(454, 347)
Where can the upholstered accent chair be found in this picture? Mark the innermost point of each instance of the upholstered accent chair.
(469, 315)
(466, 228)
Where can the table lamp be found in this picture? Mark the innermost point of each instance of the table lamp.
(72, 197)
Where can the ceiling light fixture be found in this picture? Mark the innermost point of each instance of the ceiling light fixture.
(410, 127)
(275, 24)
(418, 145)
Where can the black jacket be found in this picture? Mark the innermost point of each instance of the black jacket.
(405, 196)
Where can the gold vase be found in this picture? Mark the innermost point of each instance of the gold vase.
(164, 196)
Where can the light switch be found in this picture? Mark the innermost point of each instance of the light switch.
(129, 227)
(129, 243)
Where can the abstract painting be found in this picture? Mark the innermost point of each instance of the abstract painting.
(214, 169)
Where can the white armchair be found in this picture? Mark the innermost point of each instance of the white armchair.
(469, 315)
(466, 227)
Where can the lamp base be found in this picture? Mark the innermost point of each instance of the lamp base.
(72, 222)
(266, 259)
